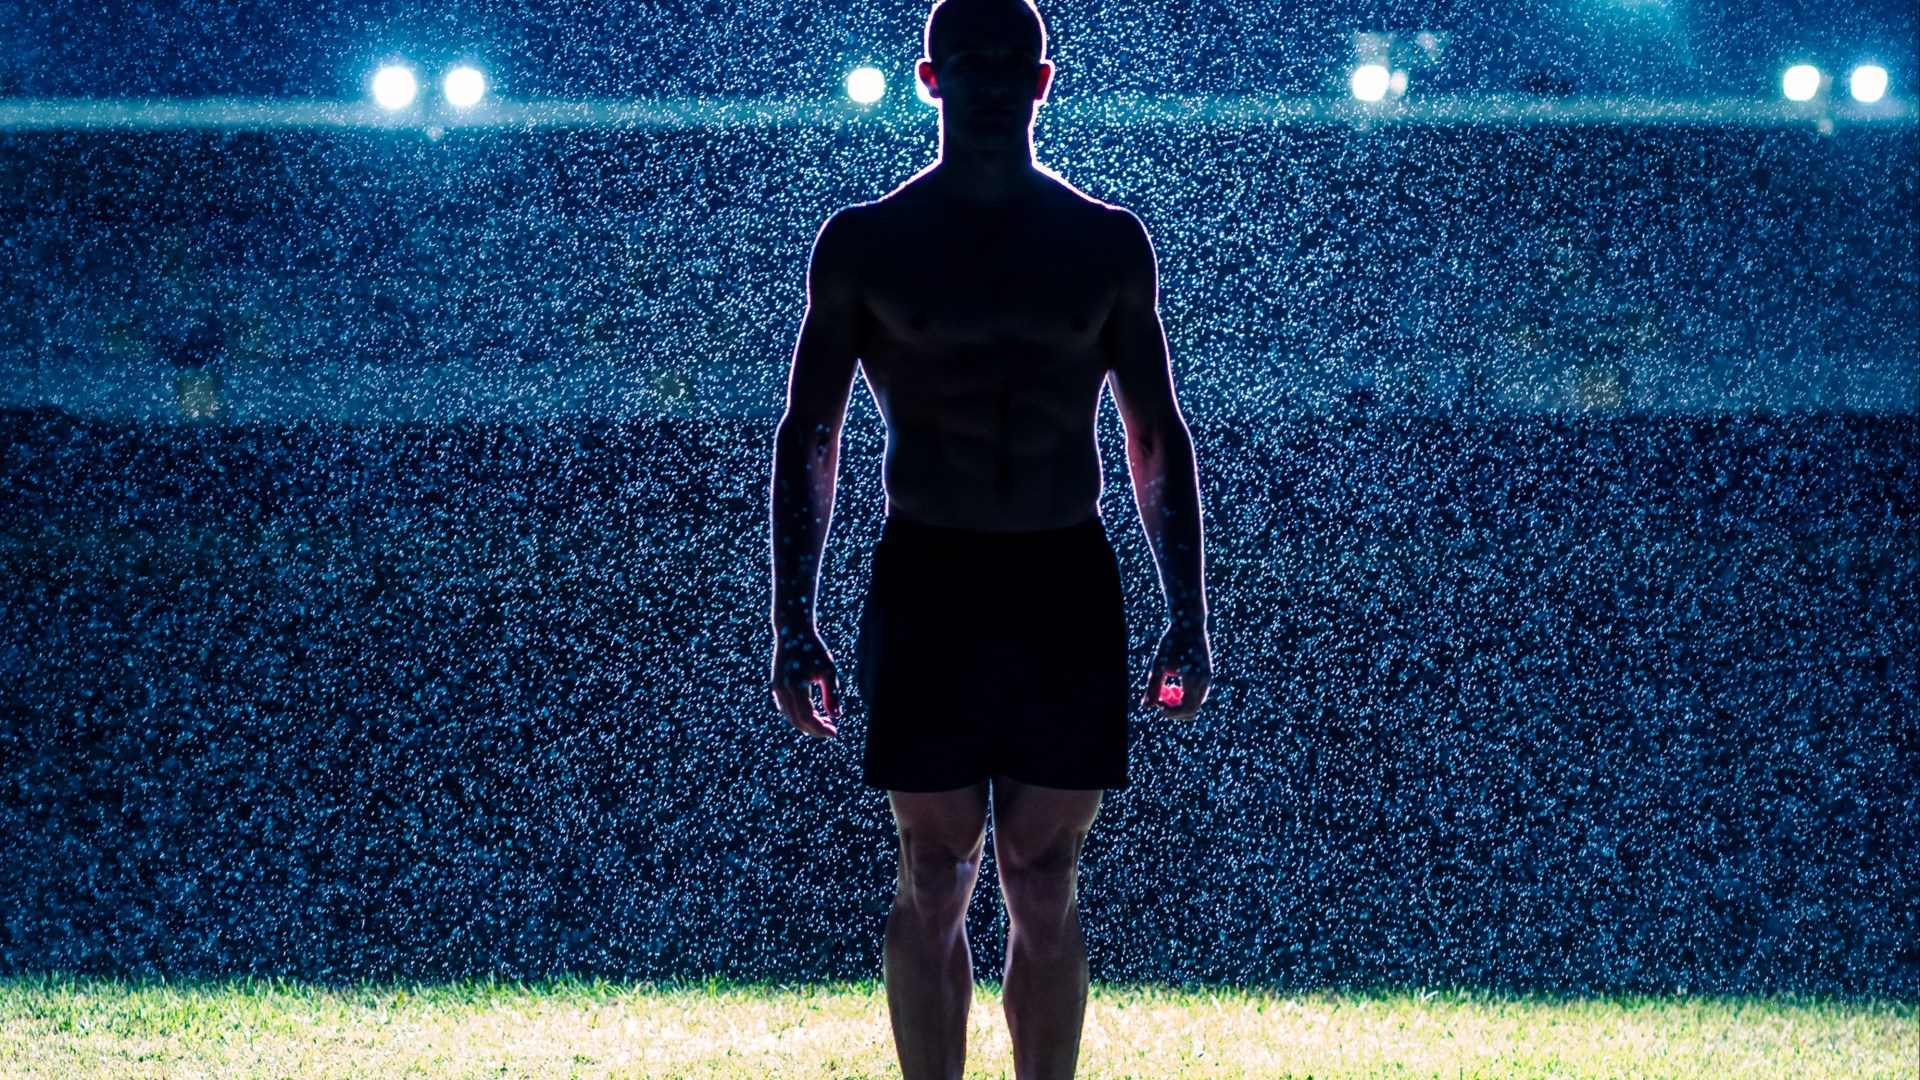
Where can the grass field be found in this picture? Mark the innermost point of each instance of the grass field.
(58, 1026)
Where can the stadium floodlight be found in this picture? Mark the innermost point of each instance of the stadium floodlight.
(1370, 81)
(464, 87)
(1868, 83)
(1800, 82)
(866, 85)
(394, 86)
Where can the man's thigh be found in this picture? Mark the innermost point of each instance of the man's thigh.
(941, 826)
(1040, 827)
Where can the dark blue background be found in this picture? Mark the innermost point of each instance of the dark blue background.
(1582, 705)
(758, 47)
(1442, 267)
(1619, 701)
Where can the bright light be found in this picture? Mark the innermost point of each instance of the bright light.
(1868, 83)
(1800, 82)
(920, 91)
(1370, 81)
(394, 87)
(464, 87)
(865, 85)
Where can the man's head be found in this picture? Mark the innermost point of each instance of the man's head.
(987, 60)
(1015, 22)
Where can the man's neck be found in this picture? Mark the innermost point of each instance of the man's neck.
(985, 173)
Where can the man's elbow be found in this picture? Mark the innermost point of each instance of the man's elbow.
(1160, 438)
(802, 431)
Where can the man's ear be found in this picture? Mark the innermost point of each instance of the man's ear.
(1046, 80)
(925, 71)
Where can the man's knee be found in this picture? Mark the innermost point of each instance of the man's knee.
(936, 880)
(1039, 887)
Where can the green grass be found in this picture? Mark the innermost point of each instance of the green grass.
(59, 1026)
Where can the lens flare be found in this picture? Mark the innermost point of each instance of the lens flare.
(464, 87)
(1370, 81)
(1868, 83)
(1800, 82)
(394, 87)
(866, 85)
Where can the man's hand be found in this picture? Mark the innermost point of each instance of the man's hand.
(1183, 654)
(801, 661)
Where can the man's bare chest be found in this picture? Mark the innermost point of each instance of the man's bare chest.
(986, 289)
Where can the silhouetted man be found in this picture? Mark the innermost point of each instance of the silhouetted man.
(987, 302)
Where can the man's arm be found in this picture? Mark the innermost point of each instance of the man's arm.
(1166, 480)
(806, 461)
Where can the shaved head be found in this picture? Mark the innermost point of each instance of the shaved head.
(1015, 22)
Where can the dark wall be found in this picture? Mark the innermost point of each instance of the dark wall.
(1610, 703)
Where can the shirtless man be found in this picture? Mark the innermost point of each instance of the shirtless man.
(988, 302)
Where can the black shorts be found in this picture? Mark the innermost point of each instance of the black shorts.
(993, 654)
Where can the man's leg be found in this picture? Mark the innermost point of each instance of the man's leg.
(1037, 833)
(929, 972)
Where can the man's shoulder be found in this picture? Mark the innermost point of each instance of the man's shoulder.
(848, 220)
(907, 199)
(843, 239)
(1070, 197)
(1112, 230)
(910, 197)
(855, 227)
(858, 228)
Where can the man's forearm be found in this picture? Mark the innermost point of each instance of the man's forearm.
(805, 465)
(1166, 487)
